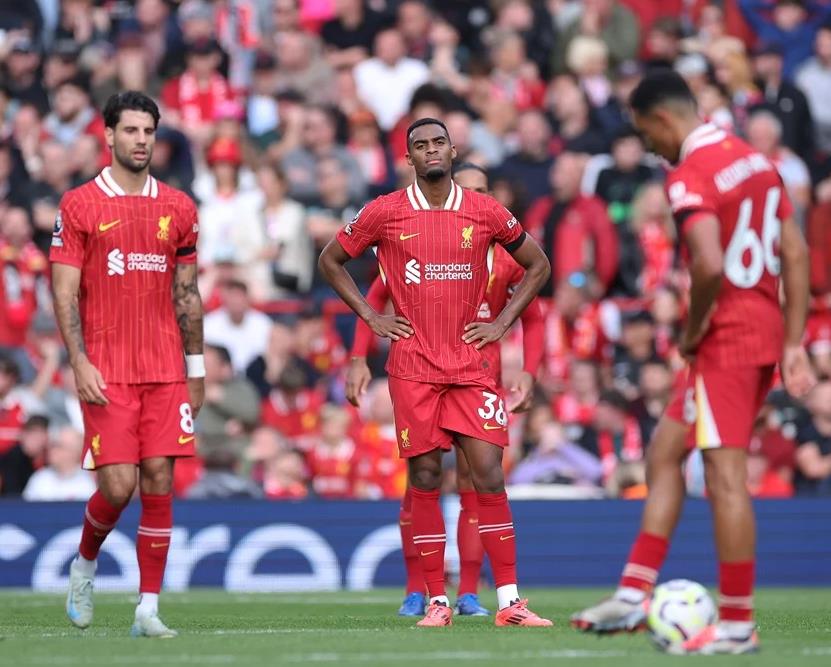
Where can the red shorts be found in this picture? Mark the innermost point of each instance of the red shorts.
(141, 421)
(428, 414)
(719, 405)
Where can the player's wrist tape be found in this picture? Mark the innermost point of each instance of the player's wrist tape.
(196, 365)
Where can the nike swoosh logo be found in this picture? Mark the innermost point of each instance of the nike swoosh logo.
(183, 440)
(502, 538)
(473, 520)
(429, 553)
(158, 545)
(103, 227)
(405, 523)
(404, 237)
(490, 427)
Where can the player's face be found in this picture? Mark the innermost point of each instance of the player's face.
(472, 179)
(132, 140)
(431, 153)
(658, 134)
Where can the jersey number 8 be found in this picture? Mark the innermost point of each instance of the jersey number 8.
(762, 251)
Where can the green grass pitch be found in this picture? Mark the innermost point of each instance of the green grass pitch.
(362, 629)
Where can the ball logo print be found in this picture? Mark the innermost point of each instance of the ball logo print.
(115, 262)
(412, 272)
(679, 610)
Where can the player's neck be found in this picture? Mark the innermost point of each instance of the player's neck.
(436, 192)
(131, 182)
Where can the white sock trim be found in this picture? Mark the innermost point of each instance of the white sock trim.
(148, 604)
(630, 594)
(506, 595)
(440, 598)
(86, 567)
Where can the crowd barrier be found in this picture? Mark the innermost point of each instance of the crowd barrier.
(319, 545)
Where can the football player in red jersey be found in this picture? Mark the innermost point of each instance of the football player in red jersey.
(505, 276)
(433, 240)
(739, 235)
(124, 280)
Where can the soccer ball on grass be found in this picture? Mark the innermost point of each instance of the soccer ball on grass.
(679, 610)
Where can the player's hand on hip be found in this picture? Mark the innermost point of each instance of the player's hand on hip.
(523, 391)
(393, 327)
(196, 392)
(483, 333)
(89, 382)
(358, 377)
(797, 373)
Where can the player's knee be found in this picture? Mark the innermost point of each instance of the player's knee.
(118, 493)
(725, 479)
(464, 482)
(426, 479)
(489, 481)
(156, 477)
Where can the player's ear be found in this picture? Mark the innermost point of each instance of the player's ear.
(453, 152)
(409, 159)
(109, 135)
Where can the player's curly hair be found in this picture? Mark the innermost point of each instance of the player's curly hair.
(131, 100)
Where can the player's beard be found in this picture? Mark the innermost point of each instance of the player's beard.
(435, 173)
(126, 160)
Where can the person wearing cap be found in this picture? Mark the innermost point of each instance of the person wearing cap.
(814, 79)
(787, 102)
(230, 219)
(191, 99)
(791, 24)
(22, 73)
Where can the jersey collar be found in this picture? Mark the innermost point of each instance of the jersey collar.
(419, 201)
(107, 183)
(704, 135)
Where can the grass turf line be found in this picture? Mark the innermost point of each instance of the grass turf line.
(346, 628)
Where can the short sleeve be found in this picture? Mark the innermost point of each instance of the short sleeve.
(69, 236)
(785, 210)
(506, 228)
(689, 195)
(188, 232)
(364, 230)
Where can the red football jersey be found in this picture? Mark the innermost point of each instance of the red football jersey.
(436, 266)
(721, 174)
(127, 247)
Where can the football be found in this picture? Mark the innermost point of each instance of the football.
(678, 611)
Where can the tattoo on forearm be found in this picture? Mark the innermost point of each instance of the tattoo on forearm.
(188, 306)
(69, 322)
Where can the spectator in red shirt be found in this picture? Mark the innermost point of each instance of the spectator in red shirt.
(12, 416)
(191, 99)
(331, 456)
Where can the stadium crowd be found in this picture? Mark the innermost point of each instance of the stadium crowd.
(281, 118)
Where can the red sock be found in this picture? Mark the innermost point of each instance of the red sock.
(99, 519)
(645, 559)
(496, 529)
(153, 540)
(429, 538)
(471, 551)
(415, 579)
(735, 591)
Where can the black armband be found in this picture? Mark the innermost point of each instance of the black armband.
(514, 245)
(187, 250)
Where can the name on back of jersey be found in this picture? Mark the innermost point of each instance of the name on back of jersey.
(736, 173)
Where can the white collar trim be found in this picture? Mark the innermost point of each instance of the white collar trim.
(704, 135)
(106, 182)
(419, 202)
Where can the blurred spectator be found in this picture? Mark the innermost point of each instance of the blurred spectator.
(814, 78)
(449, 57)
(770, 461)
(292, 407)
(18, 464)
(318, 344)
(229, 221)
(785, 100)
(319, 142)
(513, 77)
(220, 478)
(280, 468)
(609, 20)
(73, 114)
(734, 72)
(303, 68)
(764, 132)
(714, 106)
(414, 21)
(190, 100)
(574, 231)
(12, 416)
(231, 407)
(62, 478)
(331, 455)
(615, 439)
(588, 60)
(172, 161)
(386, 81)
(473, 140)
(22, 265)
(576, 405)
(663, 41)
(350, 33)
(288, 247)
(285, 15)
(265, 371)
(532, 161)
(787, 23)
(635, 348)
(654, 388)
(813, 439)
(367, 147)
(238, 327)
(666, 311)
(654, 231)
(52, 179)
(61, 63)
(262, 109)
(22, 73)
(377, 470)
(572, 116)
(532, 21)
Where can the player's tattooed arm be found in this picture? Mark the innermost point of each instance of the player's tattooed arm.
(529, 256)
(187, 304)
(66, 282)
